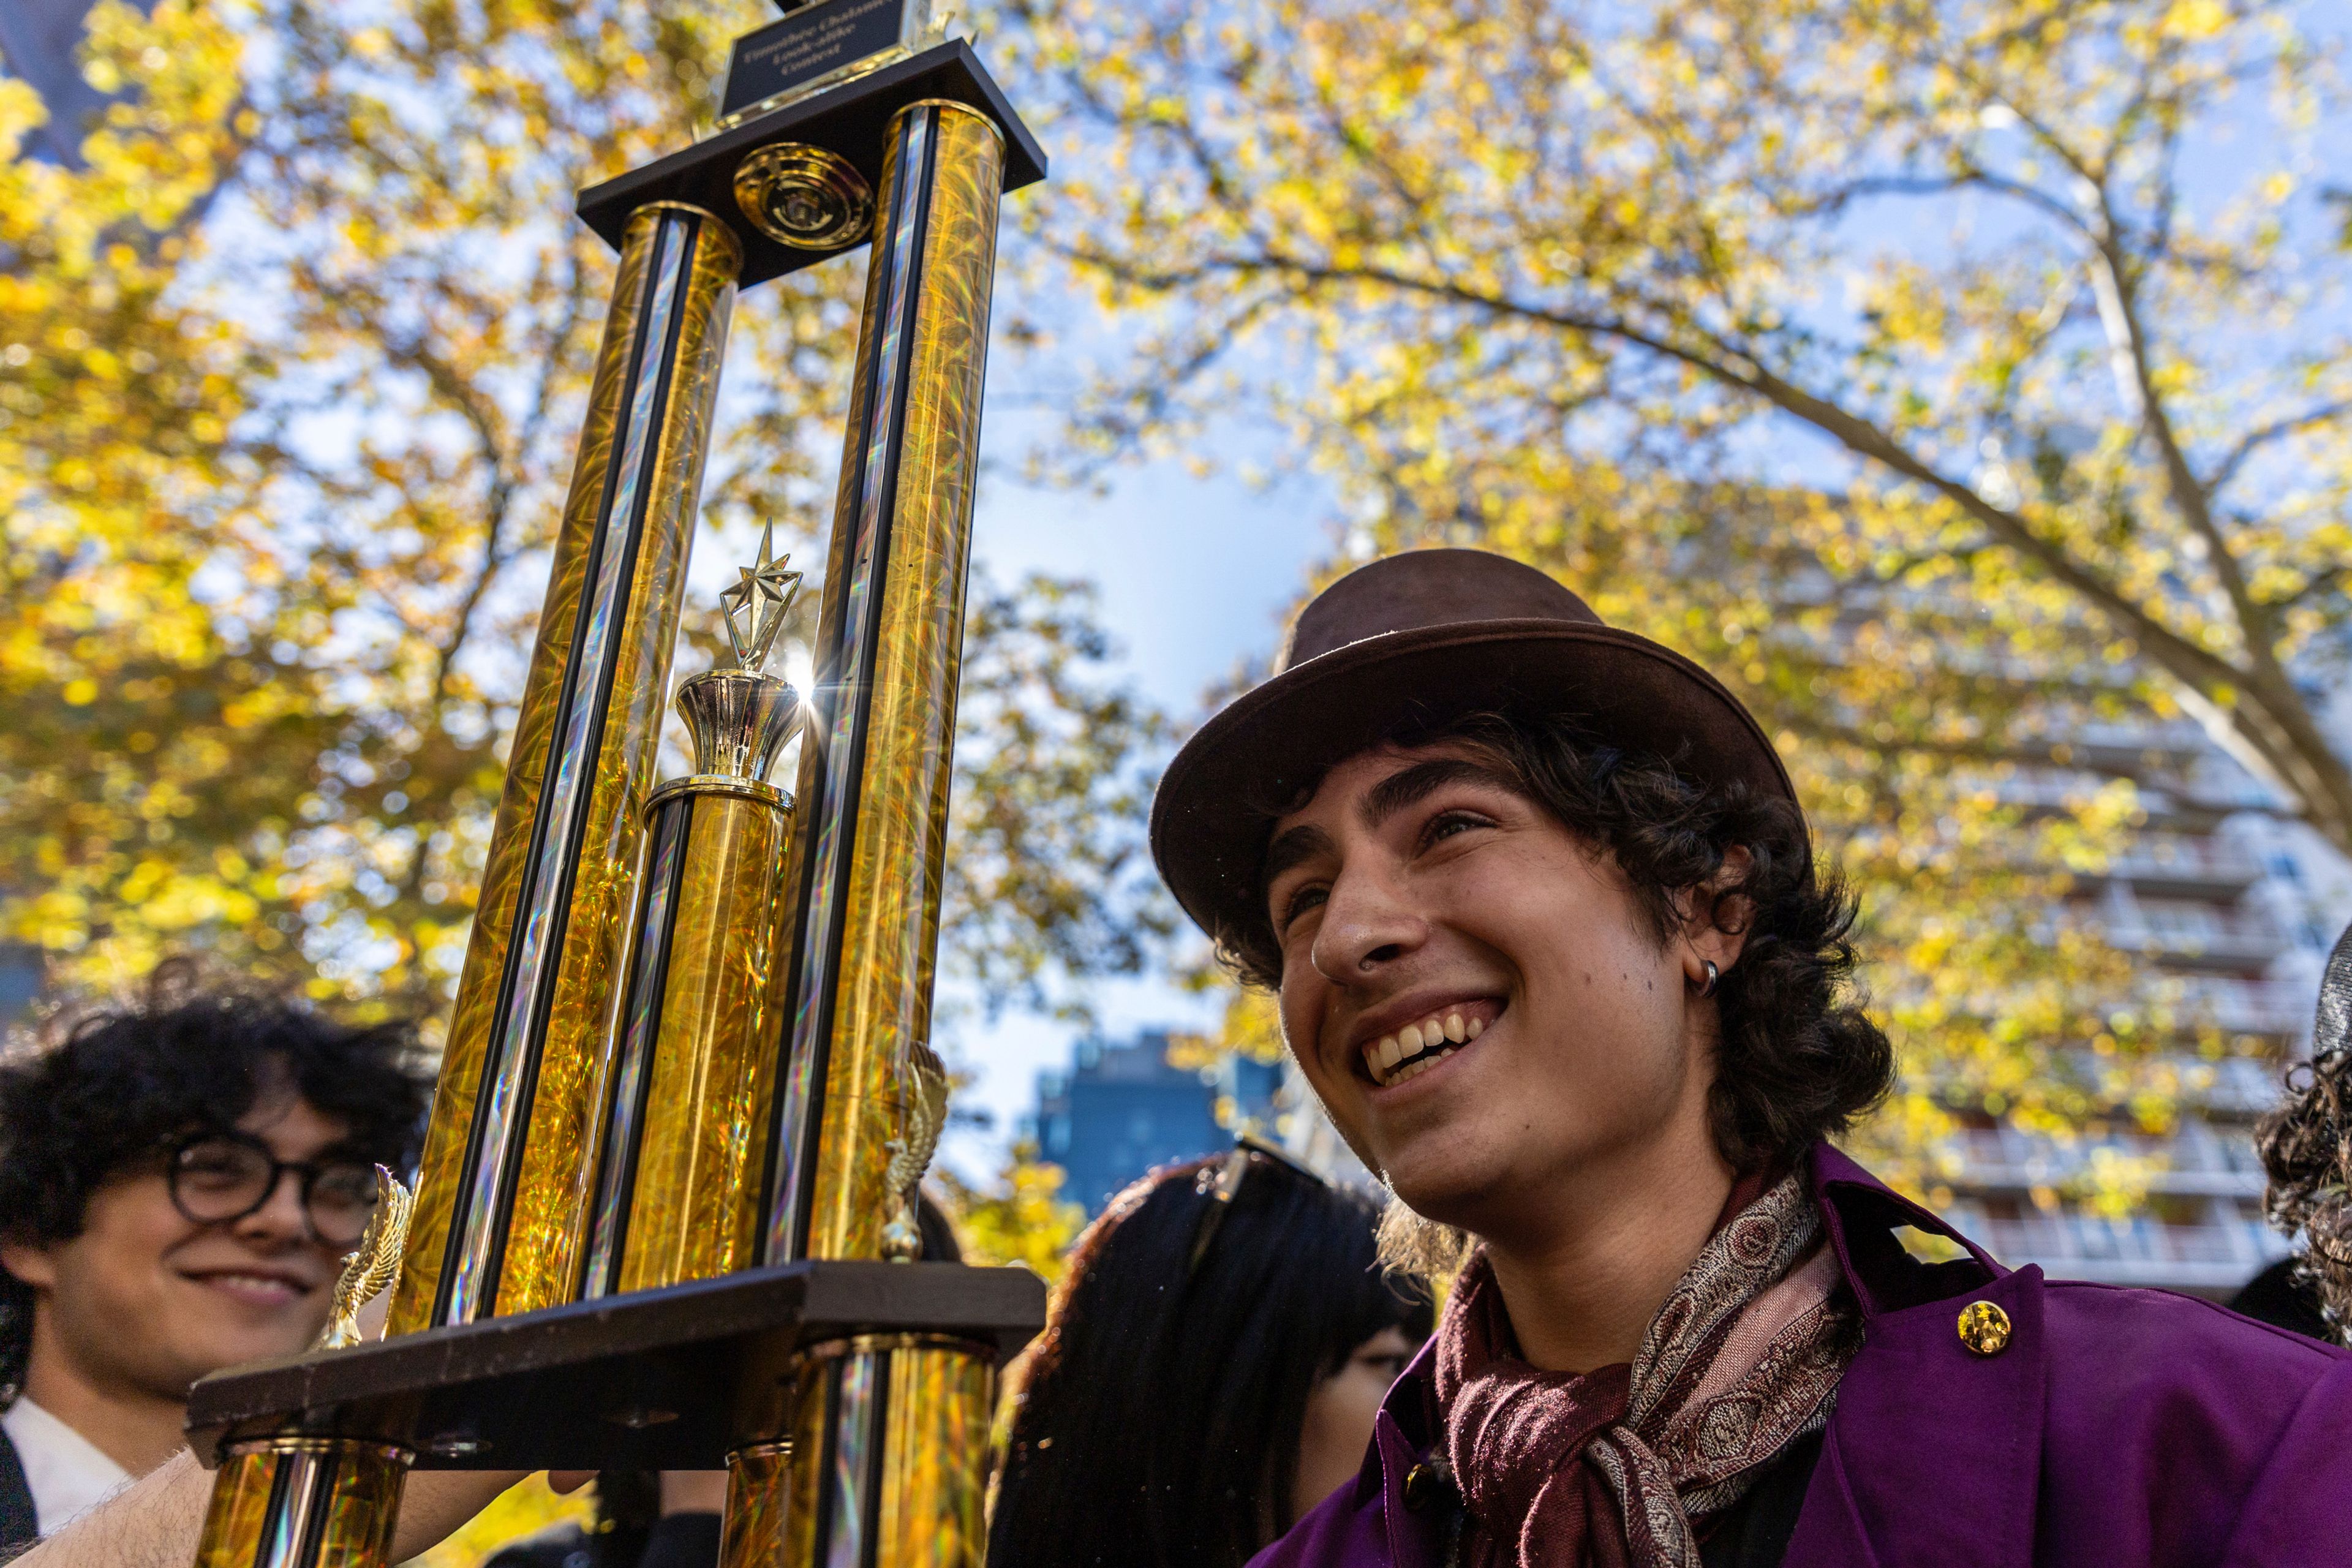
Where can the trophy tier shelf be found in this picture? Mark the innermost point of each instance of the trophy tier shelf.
(849, 119)
(659, 1380)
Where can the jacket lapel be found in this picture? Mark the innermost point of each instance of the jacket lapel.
(1830, 1529)
(1401, 1438)
(1412, 1541)
(1933, 1457)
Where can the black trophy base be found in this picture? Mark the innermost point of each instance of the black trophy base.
(852, 119)
(658, 1380)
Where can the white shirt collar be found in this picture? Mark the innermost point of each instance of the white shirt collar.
(66, 1472)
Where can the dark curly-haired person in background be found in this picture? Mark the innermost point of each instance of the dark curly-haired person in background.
(179, 1183)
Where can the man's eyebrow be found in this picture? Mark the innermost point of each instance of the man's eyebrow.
(1301, 843)
(1417, 783)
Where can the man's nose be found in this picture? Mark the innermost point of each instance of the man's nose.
(1367, 924)
(282, 1217)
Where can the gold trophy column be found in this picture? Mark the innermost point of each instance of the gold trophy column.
(509, 1156)
(284, 1502)
(677, 1193)
(883, 1464)
(875, 762)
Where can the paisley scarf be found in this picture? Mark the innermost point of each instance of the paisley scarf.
(1608, 1468)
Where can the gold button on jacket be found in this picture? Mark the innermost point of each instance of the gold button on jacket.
(1984, 1328)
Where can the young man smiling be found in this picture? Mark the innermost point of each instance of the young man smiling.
(178, 1188)
(1541, 912)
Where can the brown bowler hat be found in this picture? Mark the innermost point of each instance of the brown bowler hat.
(1414, 639)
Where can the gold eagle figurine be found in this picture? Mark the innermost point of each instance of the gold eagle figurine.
(926, 1118)
(374, 1266)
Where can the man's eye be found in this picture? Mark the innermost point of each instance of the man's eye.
(1446, 824)
(1299, 902)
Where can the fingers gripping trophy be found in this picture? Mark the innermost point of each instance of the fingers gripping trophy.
(664, 1215)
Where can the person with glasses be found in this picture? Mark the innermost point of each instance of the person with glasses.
(179, 1185)
(1552, 947)
(1211, 1368)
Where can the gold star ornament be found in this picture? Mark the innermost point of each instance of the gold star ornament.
(756, 603)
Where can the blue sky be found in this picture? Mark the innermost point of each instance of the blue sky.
(1196, 575)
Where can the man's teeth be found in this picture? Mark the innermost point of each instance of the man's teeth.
(1435, 1036)
(1418, 1064)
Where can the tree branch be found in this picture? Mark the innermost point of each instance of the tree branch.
(2052, 753)
(499, 499)
(2184, 659)
(1971, 173)
(2255, 633)
(2261, 435)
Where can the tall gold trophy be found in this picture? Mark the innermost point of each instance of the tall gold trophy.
(665, 1217)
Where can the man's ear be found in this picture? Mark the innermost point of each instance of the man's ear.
(33, 1263)
(1716, 918)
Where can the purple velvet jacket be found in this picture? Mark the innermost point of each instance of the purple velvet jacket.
(2118, 1427)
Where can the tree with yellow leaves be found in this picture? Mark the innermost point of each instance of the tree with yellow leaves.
(1954, 377)
(1019, 1216)
(291, 366)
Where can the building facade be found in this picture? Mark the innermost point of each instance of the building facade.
(2230, 911)
(1123, 1110)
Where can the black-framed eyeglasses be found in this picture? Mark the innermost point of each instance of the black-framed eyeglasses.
(1222, 1183)
(218, 1178)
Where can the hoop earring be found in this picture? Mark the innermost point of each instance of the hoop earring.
(1707, 986)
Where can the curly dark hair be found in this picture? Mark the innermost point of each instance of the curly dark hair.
(119, 1082)
(1798, 1060)
(2306, 1151)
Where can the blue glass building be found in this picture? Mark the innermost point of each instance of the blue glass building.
(1121, 1110)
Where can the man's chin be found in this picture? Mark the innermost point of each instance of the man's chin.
(237, 1349)
(230, 1340)
(1447, 1190)
(1430, 1166)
